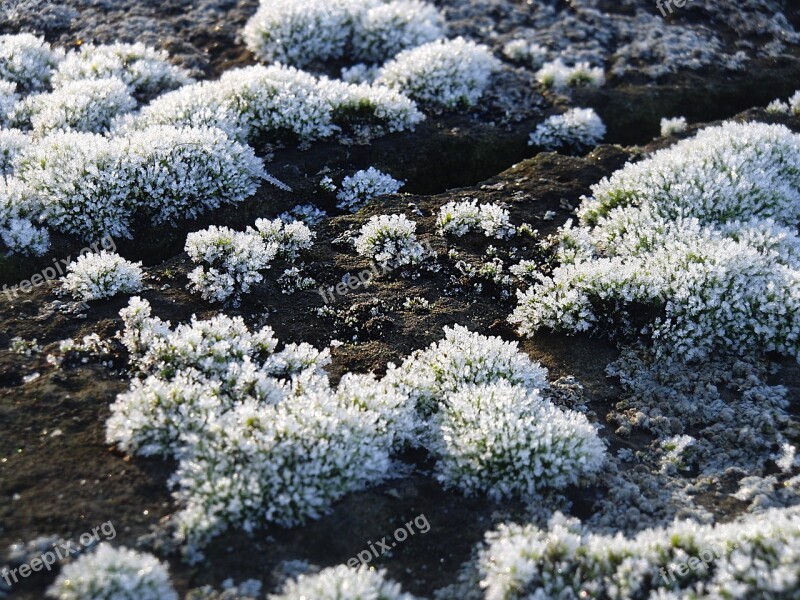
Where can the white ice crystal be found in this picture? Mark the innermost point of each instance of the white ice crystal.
(754, 557)
(258, 102)
(360, 187)
(89, 185)
(460, 218)
(703, 233)
(508, 442)
(578, 128)
(79, 183)
(520, 50)
(27, 60)
(342, 583)
(290, 238)
(109, 573)
(230, 261)
(8, 100)
(279, 443)
(673, 126)
(78, 106)
(180, 173)
(12, 142)
(450, 74)
(101, 275)
(18, 209)
(298, 32)
(559, 76)
(390, 241)
(146, 70)
(464, 358)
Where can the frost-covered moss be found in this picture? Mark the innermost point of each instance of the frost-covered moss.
(102, 275)
(446, 73)
(755, 557)
(28, 61)
(301, 32)
(507, 441)
(702, 234)
(145, 70)
(260, 102)
(110, 573)
(343, 583)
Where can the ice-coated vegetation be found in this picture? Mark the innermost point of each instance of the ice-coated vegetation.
(463, 358)
(291, 238)
(221, 399)
(734, 171)
(101, 275)
(578, 128)
(18, 232)
(89, 106)
(299, 33)
(12, 143)
(673, 126)
(754, 557)
(506, 441)
(702, 232)
(8, 100)
(521, 50)
(445, 73)
(560, 77)
(146, 70)
(360, 187)
(259, 102)
(109, 573)
(390, 241)
(88, 185)
(459, 218)
(343, 583)
(230, 262)
(28, 61)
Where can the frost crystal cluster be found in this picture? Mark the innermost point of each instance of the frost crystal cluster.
(757, 556)
(12, 143)
(301, 32)
(673, 126)
(258, 102)
(28, 61)
(459, 218)
(703, 233)
(464, 358)
(101, 275)
(578, 128)
(360, 187)
(76, 106)
(18, 211)
(390, 241)
(445, 74)
(231, 261)
(559, 76)
(343, 583)
(88, 185)
(145, 70)
(109, 573)
(278, 443)
(507, 441)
